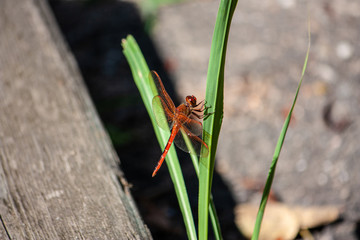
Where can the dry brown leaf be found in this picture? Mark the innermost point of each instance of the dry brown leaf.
(282, 221)
(310, 217)
(279, 221)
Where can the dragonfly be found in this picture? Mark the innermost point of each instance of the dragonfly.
(182, 120)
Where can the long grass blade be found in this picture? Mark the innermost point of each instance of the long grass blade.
(277, 151)
(212, 211)
(214, 98)
(140, 72)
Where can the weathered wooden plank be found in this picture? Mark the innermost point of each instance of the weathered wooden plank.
(59, 176)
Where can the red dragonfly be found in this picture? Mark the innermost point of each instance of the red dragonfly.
(184, 119)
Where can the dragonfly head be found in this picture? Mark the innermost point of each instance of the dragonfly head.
(191, 100)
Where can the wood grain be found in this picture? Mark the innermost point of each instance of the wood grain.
(59, 176)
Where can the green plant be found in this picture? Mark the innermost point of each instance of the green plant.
(277, 151)
(214, 97)
(140, 73)
(212, 125)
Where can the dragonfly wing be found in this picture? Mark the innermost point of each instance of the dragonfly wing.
(194, 126)
(197, 145)
(158, 89)
(163, 115)
(162, 105)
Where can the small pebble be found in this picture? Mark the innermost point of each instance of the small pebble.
(326, 72)
(287, 3)
(344, 50)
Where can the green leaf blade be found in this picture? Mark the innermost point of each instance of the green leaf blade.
(140, 73)
(277, 151)
(214, 98)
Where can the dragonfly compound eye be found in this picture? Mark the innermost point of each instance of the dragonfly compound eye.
(191, 100)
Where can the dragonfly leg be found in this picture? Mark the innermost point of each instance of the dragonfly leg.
(203, 102)
(199, 113)
(199, 116)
